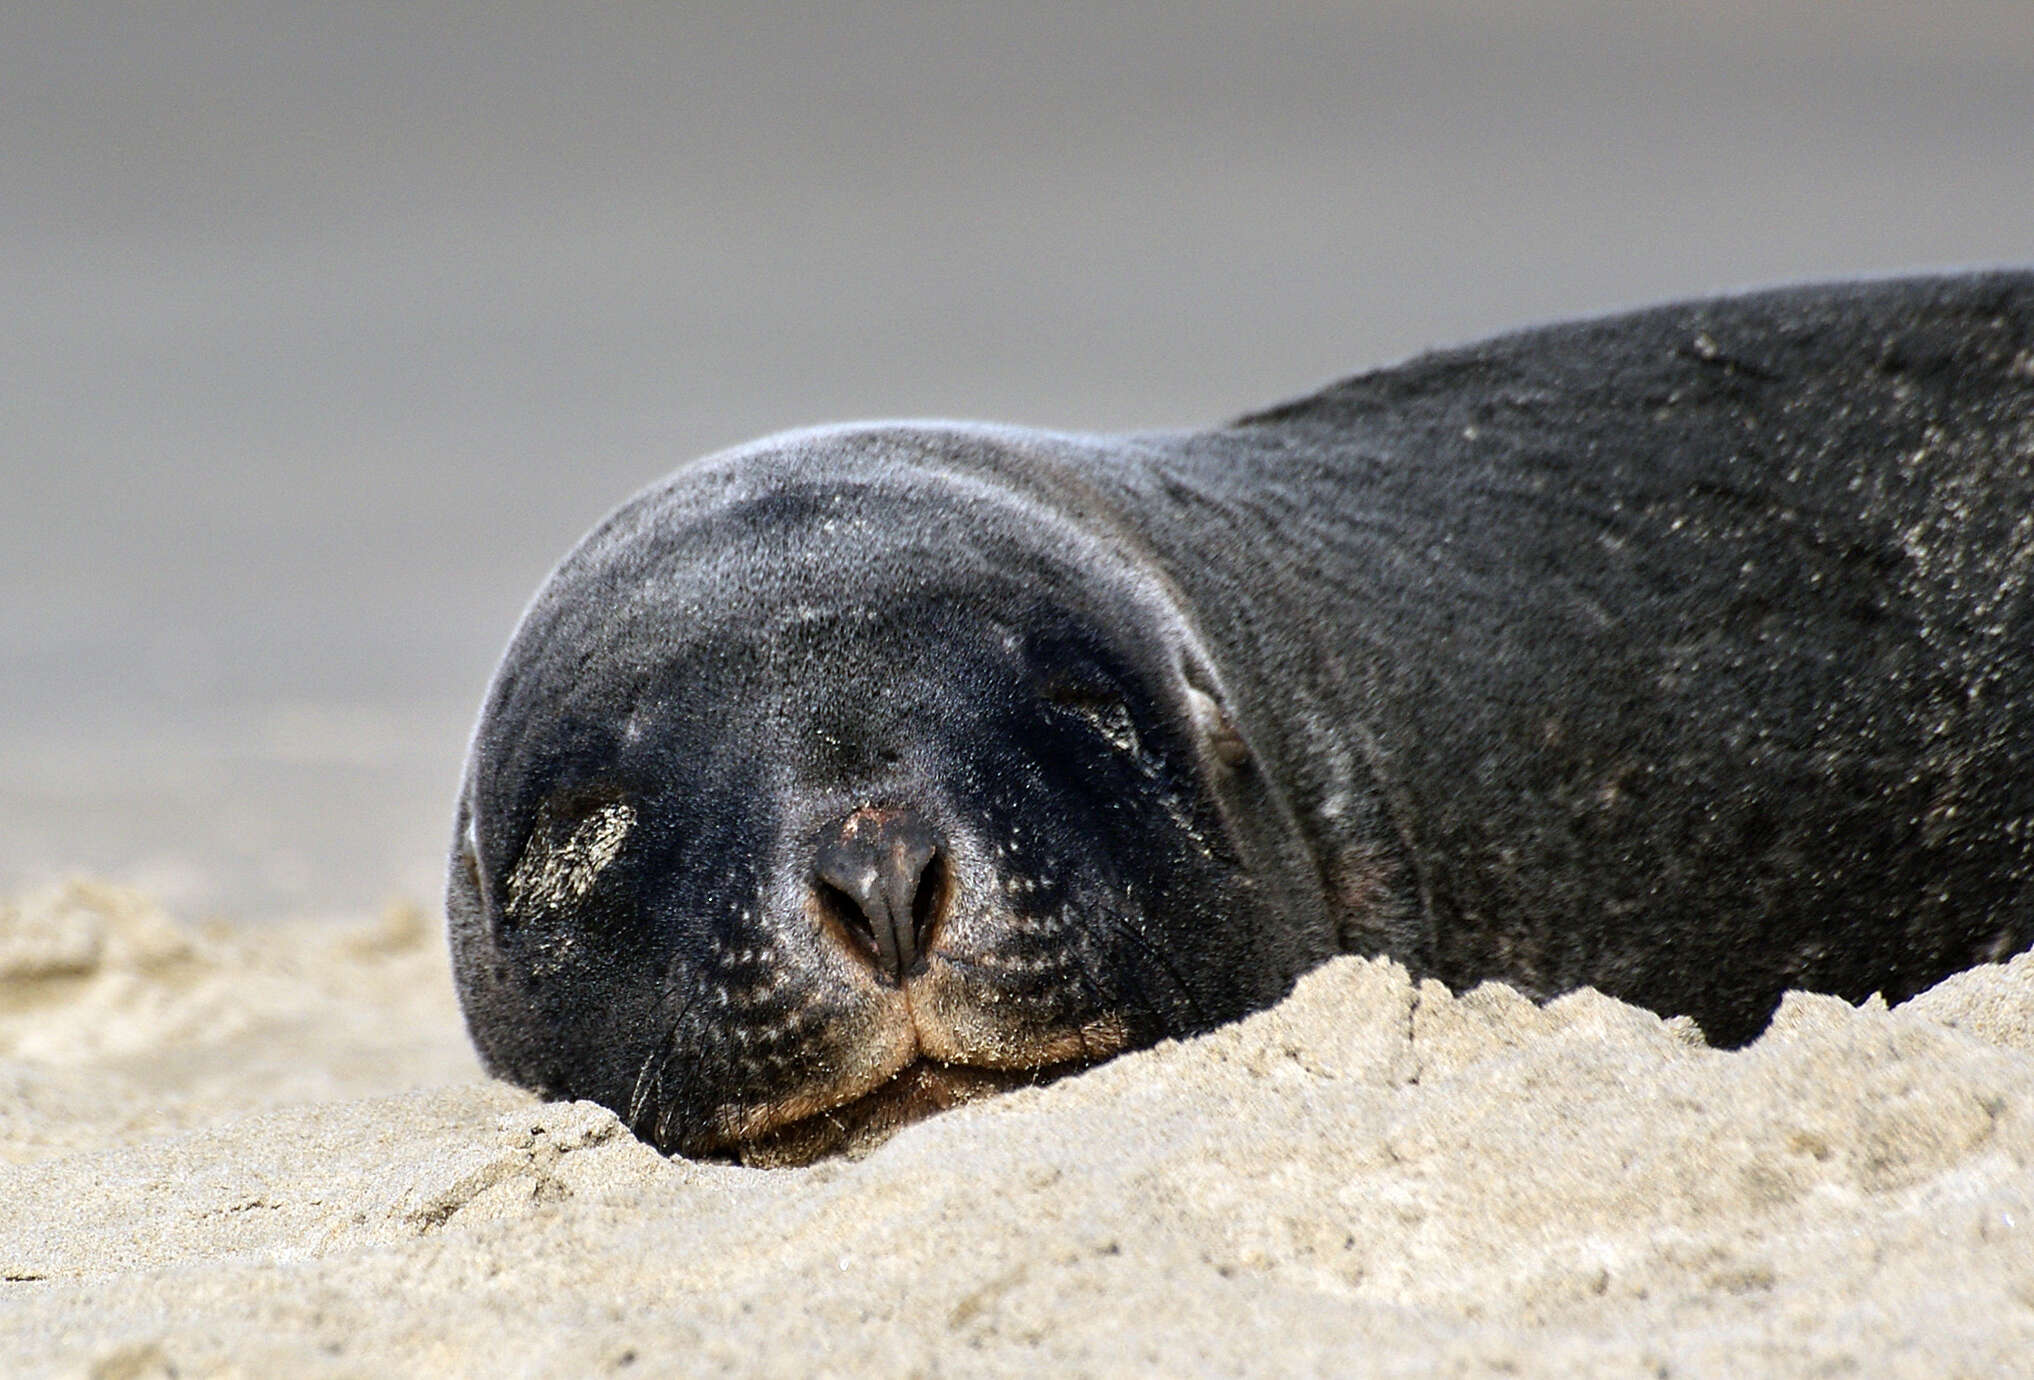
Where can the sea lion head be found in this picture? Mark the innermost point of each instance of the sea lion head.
(843, 777)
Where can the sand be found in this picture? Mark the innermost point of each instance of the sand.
(228, 1151)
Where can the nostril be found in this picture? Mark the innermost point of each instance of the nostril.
(928, 903)
(847, 912)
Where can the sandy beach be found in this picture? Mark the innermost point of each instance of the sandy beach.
(270, 1151)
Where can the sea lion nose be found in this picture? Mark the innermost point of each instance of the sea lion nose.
(883, 878)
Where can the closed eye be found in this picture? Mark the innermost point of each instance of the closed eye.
(1101, 709)
(568, 849)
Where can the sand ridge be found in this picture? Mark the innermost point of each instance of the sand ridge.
(250, 1152)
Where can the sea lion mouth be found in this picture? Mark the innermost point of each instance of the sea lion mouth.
(857, 1126)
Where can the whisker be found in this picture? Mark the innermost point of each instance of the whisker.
(1123, 927)
(662, 1054)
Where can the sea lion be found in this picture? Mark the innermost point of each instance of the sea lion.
(1687, 654)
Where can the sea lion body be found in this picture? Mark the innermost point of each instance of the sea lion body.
(1686, 654)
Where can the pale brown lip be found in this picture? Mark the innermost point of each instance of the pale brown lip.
(917, 1091)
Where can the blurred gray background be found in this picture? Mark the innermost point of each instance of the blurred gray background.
(327, 329)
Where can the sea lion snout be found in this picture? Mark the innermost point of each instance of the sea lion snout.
(882, 878)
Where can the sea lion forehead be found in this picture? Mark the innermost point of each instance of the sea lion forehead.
(881, 488)
(802, 477)
(858, 522)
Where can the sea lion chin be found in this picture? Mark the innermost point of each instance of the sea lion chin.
(863, 771)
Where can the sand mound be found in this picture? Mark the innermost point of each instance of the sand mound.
(272, 1153)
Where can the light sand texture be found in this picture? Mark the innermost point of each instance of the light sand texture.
(252, 1154)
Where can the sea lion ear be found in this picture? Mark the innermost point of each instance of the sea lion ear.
(1212, 721)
